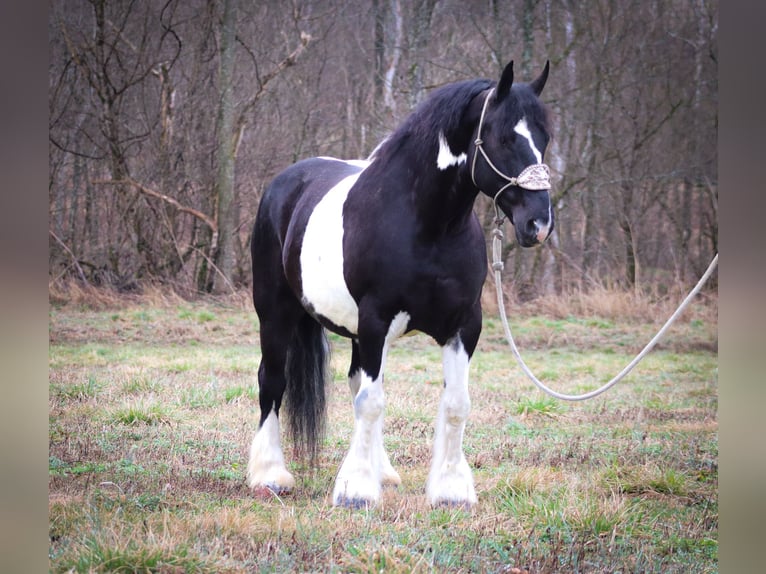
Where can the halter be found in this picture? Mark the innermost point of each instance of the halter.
(533, 177)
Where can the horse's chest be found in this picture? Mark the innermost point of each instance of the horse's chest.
(323, 284)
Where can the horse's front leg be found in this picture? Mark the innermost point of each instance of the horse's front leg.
(358, 484)
(450, 481)
(388, 475)
(359, 478)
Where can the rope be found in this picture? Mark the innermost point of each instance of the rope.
(497, 266)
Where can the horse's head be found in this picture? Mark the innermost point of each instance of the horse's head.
(507, 163)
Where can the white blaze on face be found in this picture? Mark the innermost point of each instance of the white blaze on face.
(543, 227)
(324, 286)
(522, 129)
(445, 157)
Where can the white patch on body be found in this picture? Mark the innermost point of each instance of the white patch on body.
(450, 480)
(366, 465)
(445, 157)
(324, 286)
(522, 129)
(266, 467)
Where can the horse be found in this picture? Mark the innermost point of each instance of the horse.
(373, 249)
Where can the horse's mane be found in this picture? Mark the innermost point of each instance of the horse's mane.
(442, 111)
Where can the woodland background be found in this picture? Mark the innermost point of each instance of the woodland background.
(168, 119)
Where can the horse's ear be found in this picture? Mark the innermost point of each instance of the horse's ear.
(504, 85)
(538, 84)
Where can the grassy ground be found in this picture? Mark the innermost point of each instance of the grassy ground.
(153, 404)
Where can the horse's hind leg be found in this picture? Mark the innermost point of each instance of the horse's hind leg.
(266, 467)
(388, 476)
(278, 313)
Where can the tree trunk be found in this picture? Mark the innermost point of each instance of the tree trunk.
(396, 42)
(528, 19)
(225, 147)
(380, 51)
(631, 263)
(422, 12)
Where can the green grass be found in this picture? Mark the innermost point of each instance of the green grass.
(141, 413)
(544, 405)
(84, 390)
(152, 409)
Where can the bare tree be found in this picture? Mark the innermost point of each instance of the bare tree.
(167, 120)
(225, 152)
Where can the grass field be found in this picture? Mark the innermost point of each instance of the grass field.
(153, 403)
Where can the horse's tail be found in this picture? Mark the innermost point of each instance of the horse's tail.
(306, 371)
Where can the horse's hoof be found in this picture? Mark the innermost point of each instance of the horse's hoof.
(268, 491)
(389, 477)
(453, 504)
(353, 503)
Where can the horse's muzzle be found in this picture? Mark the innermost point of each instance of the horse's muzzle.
(533, 232)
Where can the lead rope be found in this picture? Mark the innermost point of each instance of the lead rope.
(497, 266)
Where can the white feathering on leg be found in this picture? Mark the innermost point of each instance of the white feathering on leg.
(266, 467)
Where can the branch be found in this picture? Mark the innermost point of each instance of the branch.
(216, 269)
(150, 192)
(288, 61)
(74, 259)
(198, 214)
(713, 195)
(564, 192)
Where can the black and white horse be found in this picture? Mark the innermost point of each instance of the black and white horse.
(373, 249)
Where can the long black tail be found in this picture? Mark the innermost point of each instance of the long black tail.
(306, 371)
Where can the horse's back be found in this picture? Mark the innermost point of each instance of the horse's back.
(293, 222)
(296, 190)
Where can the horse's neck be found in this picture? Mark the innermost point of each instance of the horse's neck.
(444, 200)
(441, 189)
(447, 188)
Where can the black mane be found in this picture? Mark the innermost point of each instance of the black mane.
(442, 111)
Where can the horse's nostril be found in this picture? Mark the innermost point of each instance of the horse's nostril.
(538, 229)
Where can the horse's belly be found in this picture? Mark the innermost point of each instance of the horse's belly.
(324, 288)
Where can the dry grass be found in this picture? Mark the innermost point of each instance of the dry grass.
(71, 293)
(622, 305)
(152, 407)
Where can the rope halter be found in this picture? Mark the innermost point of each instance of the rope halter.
(534, 177)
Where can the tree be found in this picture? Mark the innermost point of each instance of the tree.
(225, 153)
(168, 120)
